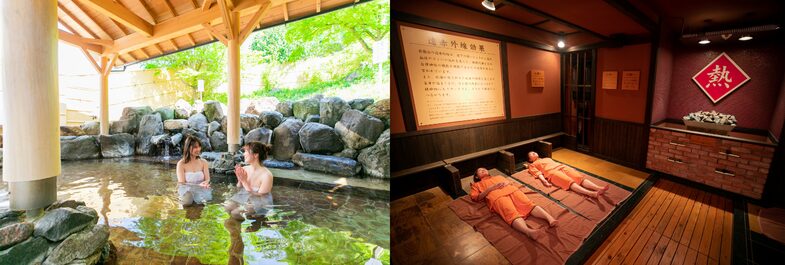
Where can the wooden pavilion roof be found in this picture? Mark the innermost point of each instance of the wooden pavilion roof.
(137, 30)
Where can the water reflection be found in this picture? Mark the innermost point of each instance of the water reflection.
(139, 202)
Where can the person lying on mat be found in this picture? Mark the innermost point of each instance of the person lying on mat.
(564, 177)
(508, 201)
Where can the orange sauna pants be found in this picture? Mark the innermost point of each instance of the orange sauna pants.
(513, 206)
(564, 176)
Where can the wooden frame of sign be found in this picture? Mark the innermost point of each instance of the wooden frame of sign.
(537, 78)
(454, 79)
(609, 79)
(630, 80)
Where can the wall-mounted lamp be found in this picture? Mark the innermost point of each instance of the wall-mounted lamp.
(704, 41)
(489, 5)
(745, 38)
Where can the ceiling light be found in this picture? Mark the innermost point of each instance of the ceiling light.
(704, 41)
(489, 5)
(745, 38)
(560, 44)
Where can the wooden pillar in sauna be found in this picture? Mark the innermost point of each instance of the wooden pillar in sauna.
(103, 109)
(31, 142)
(233, 120)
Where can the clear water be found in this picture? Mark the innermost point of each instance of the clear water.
(139, 202)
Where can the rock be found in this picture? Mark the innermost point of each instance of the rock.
(59, 223)
(176, 139)
(380, 110)
(198, 122)
(213, 111)
(224, 165)
(347, 153)
(117, 145)
(79, 245)
(144, 146)
(328, 164)
(360, 103)
(176, 125)
(151, 125)
(88, 211)
(162, 144)
(376, 158)
(213, 127)
(312, 118)
(182, 110)
(15, 233)
(132, 116)
(91, 127)
(8, 217)
(271, 119)
(318, 138)
(202, 138)
(71, 131)
(358, 130)
(318, 97)
(285, 108)
(286, 139)
(122, 126)
(331, 109)
(249, 122)
(263, 135)
(166, 113)
(31, 251)
(160, 139)
(257, 106)
(211, 156)
(67, 203)
(305, 107)
(218, 142)
(82, 147)
(278, 164)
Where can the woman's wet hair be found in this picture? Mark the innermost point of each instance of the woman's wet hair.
(190, 141)
(258, 148)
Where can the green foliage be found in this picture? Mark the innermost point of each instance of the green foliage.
(205, 62)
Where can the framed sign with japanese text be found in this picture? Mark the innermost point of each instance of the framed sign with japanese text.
(720, 77)
(454, 78)
(630, 80)
(538, 78)
(609, 79)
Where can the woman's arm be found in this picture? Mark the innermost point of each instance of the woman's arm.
(206, 172)
(544, 181)
(180, 172)
(491, 188)
(267, 184)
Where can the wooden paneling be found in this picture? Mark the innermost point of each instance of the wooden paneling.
(418, 148)
(619, 141)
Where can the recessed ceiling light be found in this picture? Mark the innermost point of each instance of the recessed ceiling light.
(745, 38)
(704, 41)
(560, 44)
(489, 5)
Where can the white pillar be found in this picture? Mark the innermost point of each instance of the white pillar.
(233, 118)
(31, 140)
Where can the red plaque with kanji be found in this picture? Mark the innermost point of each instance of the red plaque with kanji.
(721, 77)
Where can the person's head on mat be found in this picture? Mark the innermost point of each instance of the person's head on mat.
(533, 156)
(480, 173)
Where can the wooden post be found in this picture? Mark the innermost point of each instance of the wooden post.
(452, 183)
(103, 112)
(233, 120)
(31, 148)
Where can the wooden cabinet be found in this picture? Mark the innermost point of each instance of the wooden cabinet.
(736, 165)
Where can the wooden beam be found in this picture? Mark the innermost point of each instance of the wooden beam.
(78, 22)
(121, 14)
(101, 31)
(255, 20)
(285, 12)
(194, 5)
(191, 39)
(318, 6)
(158, 48)
(92, 60)
(144, 53)
(171, 42)
(213, 32)
(170, 7)
(108, 67)
(79, 42)
(226, 13)
(185, 23)
(206, 4)
(149, 12)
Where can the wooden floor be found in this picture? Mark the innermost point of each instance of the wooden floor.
(672, 224)
(620, 174)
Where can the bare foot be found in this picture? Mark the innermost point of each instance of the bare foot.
(603, 190)
(533, 234)
(554, 223)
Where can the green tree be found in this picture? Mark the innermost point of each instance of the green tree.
(364, 23)
(206, 62)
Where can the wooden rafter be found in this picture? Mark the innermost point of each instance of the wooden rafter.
(120, 14)
(108, 67)
(206, 4)
(157, 48)
(255, 20)
(170, 7)
(190, 39)
(144, 53)
(83, 43)
(132, 56)
(148, 11)
(71, 16)
(213, 32)
(318, 6)
(101, 31)
(285, 12)
(171, 42)
(226, 13)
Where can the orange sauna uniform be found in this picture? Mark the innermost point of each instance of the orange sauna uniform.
(560, 175)
(509, 202)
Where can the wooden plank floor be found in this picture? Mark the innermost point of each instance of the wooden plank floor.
(672, 224)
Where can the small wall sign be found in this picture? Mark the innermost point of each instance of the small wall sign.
(609, 79)
(720, 77)
(630, 80)
(538, 78)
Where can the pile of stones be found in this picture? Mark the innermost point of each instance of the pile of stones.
(711, 117)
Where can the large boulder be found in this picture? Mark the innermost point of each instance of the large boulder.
(257, 106)
(272, 163)
(317, 138)
(65, 203)
(123, 126)
(380, 110)
(176, 125)
(144, 146)
(9, 217)
(150, 125)
(271, 119)
(331, 109)
(166, 113)
(329, 164)
(305, 107)
(15, 233)
(182, 110)
(376, 158)
(211, 156)
(347, 153)
(360, 103)
(218, 142)
(59, 223)
(263, 135)
(117, 145)
(203, 139)
(129, 121)
(79, 245)
(198, 122)
(31, 251)
(312, 118)
(213, 111)
(213, 127)
(91, 127)
(285, 108)
(286, 139)
(249, 122)
(71, 131)
(162, 144)
(358, 130)
(82, 147)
